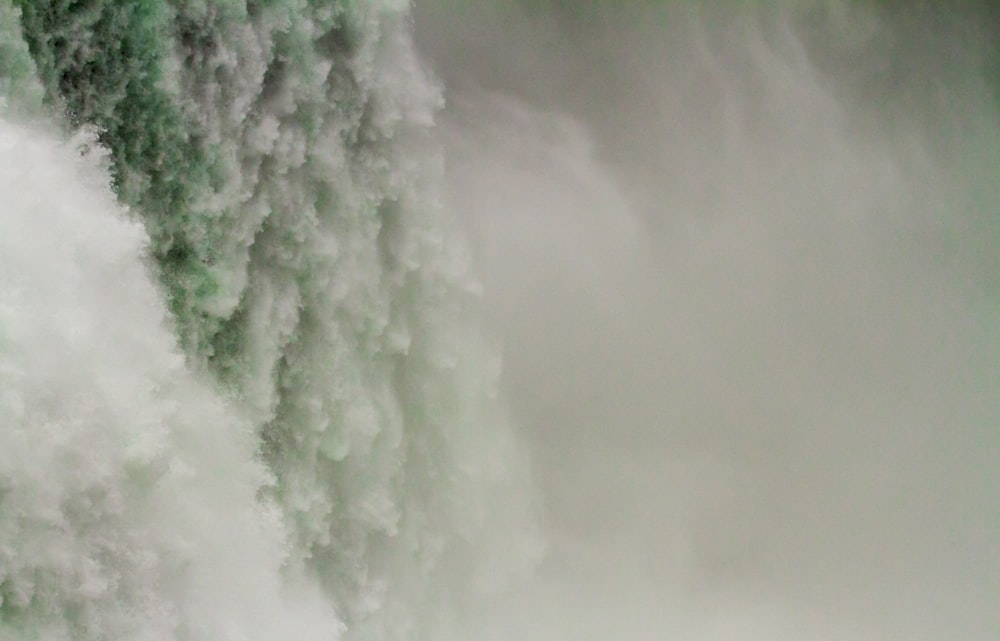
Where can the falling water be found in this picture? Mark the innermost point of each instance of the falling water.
(259, 262)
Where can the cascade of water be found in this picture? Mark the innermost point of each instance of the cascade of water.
(742, 261)
(278, 157)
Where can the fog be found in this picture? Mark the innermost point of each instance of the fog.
(743, 263)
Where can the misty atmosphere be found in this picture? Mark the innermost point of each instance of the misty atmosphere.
(475, 321)
(744, 264)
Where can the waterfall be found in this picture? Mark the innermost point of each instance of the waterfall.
(277, 156)
(380, 321)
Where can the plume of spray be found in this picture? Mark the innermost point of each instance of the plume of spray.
(128, 504)
(743, 259)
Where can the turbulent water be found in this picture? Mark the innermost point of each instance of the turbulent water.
(259, 263)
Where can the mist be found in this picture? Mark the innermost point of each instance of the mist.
(743, 264)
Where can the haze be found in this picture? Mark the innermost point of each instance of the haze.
(743, 263)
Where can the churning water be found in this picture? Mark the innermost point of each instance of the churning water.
(516, 320)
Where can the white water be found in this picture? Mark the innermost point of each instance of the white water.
(748, 321)
(128, 487)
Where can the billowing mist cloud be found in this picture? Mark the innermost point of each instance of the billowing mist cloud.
(744, 266)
